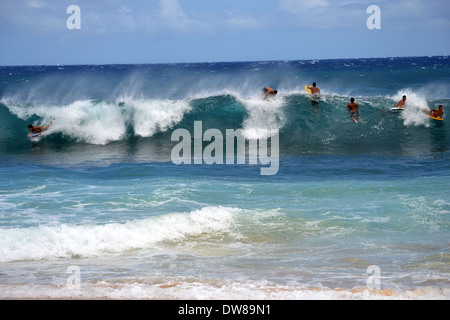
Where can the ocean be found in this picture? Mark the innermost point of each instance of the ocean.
(111, 203)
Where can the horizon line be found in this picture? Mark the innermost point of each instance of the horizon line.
(208, 62)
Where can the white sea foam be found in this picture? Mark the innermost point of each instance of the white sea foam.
(65, 241)
(89, 121)
(263, 116)
(151, 116)
(191, 288)
(102, 122)
(415, 108)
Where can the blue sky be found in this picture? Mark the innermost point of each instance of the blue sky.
(170, 31)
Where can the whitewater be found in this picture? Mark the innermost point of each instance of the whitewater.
(99, 192)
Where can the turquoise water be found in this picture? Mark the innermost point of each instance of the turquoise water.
(100, 193)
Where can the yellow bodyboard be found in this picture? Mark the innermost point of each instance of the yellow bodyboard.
(436, 118)
(307, 89)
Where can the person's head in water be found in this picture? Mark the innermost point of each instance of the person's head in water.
(314, 84)
(352, 100)
(34, 129)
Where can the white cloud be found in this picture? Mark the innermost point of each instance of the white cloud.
(32, 16)
(36, 4)
(235, 19)
(300, 6)
(171, 10)
(395, 14)
(416, 14)
(168, 18)
(172, 15)
(323, 14)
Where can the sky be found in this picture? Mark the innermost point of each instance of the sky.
(36, 32)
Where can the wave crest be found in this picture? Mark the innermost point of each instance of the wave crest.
(49, 242)
(304, 126)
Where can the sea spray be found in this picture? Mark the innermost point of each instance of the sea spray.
(151, 116)
(262, 116)
(415, 109)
